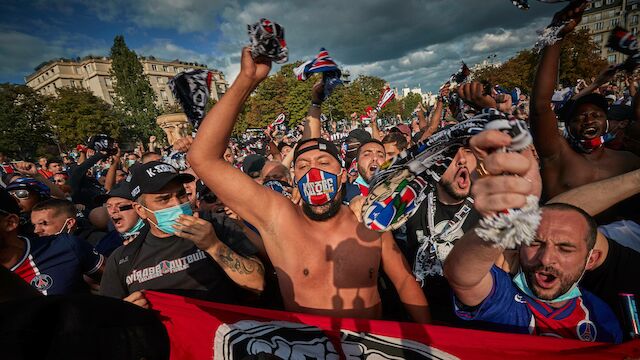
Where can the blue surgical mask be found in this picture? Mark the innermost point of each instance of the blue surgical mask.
(134, 231)
(521, 282)
(167, 217)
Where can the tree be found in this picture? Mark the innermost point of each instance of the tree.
(24, 128)
(135, 99)
(578, 61)
(409, 104)
(75, 114)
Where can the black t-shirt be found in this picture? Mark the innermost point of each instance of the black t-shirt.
(429, 264)
(619, 273)
(169, 264)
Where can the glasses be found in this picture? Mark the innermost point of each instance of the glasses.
(118, 208)
(20, 194)
(594, 114)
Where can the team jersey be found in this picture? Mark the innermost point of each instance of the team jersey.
(585, 318)
(55, 264)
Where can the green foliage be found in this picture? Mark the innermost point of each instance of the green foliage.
(23, 122)
(578, 61)
(75, 114)
(135, 99)
(409, 103)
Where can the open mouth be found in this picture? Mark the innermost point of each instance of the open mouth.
(373, 168)
(117, 221)
(545, 279)
(590, 132)
(462, 178)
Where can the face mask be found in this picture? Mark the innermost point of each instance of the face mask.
(167, 217)
(521, 282)
(134, 231)
(318, 187)
(587, 146)
(130, 163)
(64, 228)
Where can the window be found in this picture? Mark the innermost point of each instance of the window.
(154, 67)
(634, 31)
(634, 19)
(614, 22)
(597, 4)
(611, 58)
(597, 17)
(609, 2)
(108, 82)
(597, 38)
(164, 68)
(163, 95)
(599, 26)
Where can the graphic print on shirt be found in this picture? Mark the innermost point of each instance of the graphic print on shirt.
(165, 267)
(430, 257)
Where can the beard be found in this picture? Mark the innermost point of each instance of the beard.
(451, 191)
(326, 211)
(566, 280)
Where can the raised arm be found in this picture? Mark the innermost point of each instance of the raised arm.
(422, 120)
(110, 179)
(467, 268)
(605, 76)
(544, 126)
(312, 124)
(238, 191)
(396, 267)
(598, 196)
(375, 131)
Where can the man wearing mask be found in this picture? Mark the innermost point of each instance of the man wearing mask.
(57, 216)
(177, 251)
(370, 156)
(544, 297)
(55, 264)
(126, 222)
(326, 261)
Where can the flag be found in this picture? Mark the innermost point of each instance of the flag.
(267, 39)
(191, 89)
(203, 330)
(280, 119)
(324, 64)
(385, 98)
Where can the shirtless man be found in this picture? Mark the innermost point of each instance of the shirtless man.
(326, 261)
(564, 166)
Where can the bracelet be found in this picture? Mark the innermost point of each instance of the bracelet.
(316, 105)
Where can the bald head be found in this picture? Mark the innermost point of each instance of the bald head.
(275, 170)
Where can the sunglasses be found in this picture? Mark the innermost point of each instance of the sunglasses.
(20, 194)
(119, 208)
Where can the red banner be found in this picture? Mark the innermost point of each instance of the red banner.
(204, 330)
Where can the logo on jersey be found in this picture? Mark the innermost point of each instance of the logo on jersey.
(586, 330)
(520, 299)
(42, 282)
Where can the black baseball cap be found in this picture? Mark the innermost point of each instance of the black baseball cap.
(121, 190)
(571, 106)
(620, 113)
(8, 203)
(253, 164)
(149, 178)
(322, 145)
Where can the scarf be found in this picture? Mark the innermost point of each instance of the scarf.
(385, 98)
(191, 89)
(267, 39)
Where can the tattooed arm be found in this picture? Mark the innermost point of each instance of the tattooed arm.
(247, 272)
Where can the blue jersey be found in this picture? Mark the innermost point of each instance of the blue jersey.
(585, 318)
(55, 264)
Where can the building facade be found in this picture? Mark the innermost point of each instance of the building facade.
(602, 16)
(93, 73)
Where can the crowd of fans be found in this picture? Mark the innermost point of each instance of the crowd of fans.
(273, 219)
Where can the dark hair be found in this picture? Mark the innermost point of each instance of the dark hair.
(147, 155)
(60, 206)
(398, 138)
(592, 226)
(368, 142)
(282, 145)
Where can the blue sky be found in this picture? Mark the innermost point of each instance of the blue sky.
(408, 43)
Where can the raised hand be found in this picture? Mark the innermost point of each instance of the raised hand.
(571, 15)
(317, 92)
(26, 168)
(473, 93)
(255, 70)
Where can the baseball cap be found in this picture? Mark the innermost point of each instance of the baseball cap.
(149, 178)
(121, 190)
(322, 145)
(620, 113)
(253, 164)
(403, 128)
(571, 106)
(8, 203)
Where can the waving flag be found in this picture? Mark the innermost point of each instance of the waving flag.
(280, 119)
(385, 98)
(624, 41)
(324, 64)
(191, 89)
(461, 76)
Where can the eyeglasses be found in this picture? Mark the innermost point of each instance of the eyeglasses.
(594, 114)
(118, 208)
(20, 194)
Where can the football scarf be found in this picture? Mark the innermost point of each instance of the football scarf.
(551, 34)
(191, 89)
(625, 42)
(318, 187)
(399, 187)
(385, 98)
(324, 64)
(279, 186)
(267, 39)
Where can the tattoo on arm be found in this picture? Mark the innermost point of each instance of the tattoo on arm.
(244, 266)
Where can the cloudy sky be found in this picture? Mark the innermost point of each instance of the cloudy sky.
(407, 42)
